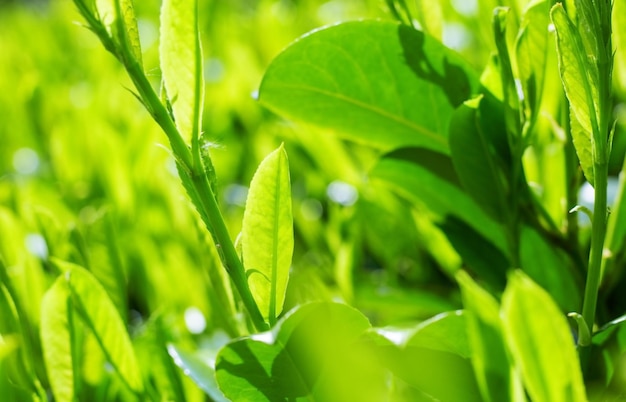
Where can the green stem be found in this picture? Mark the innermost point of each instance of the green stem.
(205, 200)
(226, 248)
(597, 244)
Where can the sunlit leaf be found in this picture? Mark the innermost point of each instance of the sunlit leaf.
(267, 233)
(181, 64)
(56, 340)
(293, 360)
(493, 370)
(378, 83)
(619, 41)
(531, 51)
(580, 86)
(99, 314)
(541, 342)
(200, 371)
(118, 17)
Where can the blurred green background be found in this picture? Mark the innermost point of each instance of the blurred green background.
(85, 175)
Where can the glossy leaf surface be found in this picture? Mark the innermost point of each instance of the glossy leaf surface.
(541, 342)
(293, 360)
(374, 82)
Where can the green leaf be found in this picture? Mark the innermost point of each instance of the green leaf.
(200, 371)
(267, 234)
(619, 41)
(429, 178)
(580, 84)
(476, 155)
(541, 342)
(99, 314)
(445, 332)
(118, 18)
(181, 64)
(494, 372)
(502, 28)
(56, 340)
(551, 268)
(379, 83)
(294, 359)
(531, 49)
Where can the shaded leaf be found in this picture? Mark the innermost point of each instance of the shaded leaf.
(379, 83)
(551, 268)
(181, 64)
(429, 179)
(475, 154)
(267, 234)
(541, 342)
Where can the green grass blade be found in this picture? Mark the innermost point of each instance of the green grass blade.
(541, 342)
(56, 340)
(181, 64)
(267, 234)
(378, 83)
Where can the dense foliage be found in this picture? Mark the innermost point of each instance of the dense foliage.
(419, 201)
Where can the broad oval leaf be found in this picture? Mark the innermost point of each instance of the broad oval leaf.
(181, 64)
(99, 314)
(267, 234)
(379, 83)
(292, 360)
(541, 342)
(56, 340)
